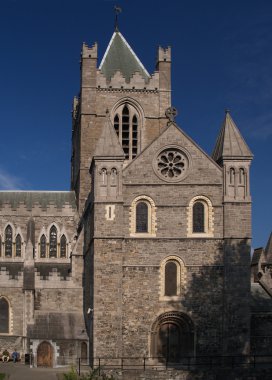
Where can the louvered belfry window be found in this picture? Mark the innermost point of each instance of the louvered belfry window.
(8, 241)
(170, 278)
(126, 125)
(18, 244)
(43, 246)
(142, 217)
(4, 316)
(53, 242)
(198, 217)
(63, 243)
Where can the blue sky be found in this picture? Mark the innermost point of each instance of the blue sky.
(222, 58)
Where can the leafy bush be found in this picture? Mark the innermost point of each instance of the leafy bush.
(71, 375)
(92, 375)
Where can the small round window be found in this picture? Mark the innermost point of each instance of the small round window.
(171, 164)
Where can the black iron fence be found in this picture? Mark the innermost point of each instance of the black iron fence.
(183, 363)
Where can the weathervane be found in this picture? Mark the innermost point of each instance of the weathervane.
(117, 11)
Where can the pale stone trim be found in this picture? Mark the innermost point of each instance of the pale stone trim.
(181, 278)
(152, 220)
(110, 212)
(208, 217)
(10, 316)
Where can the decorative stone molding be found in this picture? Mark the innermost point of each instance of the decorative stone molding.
(208, 218)
(152, 220)
(181, 279)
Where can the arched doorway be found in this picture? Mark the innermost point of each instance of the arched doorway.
(84, 352)
(45, 355)
(172, 337)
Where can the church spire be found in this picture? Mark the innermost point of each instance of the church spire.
(230, 143)
(119, 56)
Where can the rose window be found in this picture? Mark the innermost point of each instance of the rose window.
(171, 164)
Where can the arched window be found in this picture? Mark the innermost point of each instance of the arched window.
(141, 217)
(4, 316)
(18, 246)
(198, 217)
(232, 176)
(113, 177)
(8, 241)
(53, 242)
(43, 246)
(0, 246)
(173, 276)
(242, 176)
(103, 177)
(126, 125)
(170, 278)
(63, 246)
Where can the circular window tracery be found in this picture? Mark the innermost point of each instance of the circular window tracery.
(171, 164)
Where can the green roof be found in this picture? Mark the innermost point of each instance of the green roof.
(120, 56)
(42, 198)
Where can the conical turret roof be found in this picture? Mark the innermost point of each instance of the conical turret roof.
(119, 56)
(230, 143)
(108, 144)
(268, 250)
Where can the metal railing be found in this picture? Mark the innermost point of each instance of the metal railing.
(183, 363)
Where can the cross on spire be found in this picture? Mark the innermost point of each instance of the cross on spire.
(117, 11)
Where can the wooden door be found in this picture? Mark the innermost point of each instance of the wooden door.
(45, 355)
(169, 346)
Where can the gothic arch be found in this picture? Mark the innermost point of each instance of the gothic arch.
(172, 337)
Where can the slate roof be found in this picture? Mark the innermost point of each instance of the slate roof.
(260, 299)
(108, 144)
(230, 143)
(120, 56)
(42, 198)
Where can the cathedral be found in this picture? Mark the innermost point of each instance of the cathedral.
(148, 254)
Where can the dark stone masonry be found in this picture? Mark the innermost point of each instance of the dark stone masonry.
(148, 255)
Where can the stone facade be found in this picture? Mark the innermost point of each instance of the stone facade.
(157, 233)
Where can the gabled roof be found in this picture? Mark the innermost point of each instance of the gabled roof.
(230, 143)
(120, 56)
(108, 144)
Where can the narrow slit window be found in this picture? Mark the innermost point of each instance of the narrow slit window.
(8, 241)
(171, 278)
(18, 245)
(198, 217)
(142, 217)
(116, 124)
(53, 242)
(63, 246)
(0, 246)
(134, 136)
(43, 247)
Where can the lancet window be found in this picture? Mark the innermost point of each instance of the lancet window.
(126, 125)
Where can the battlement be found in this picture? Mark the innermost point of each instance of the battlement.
(89, 52)
(164, 54)
(137, 81)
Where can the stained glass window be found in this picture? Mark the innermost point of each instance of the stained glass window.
(125, 131)
(134, 136)
(18, 245)
(198, 217)
(63, 246)
(116, 124)
(43, 246)
(142, 217)
(53, 242)
(8, 241)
